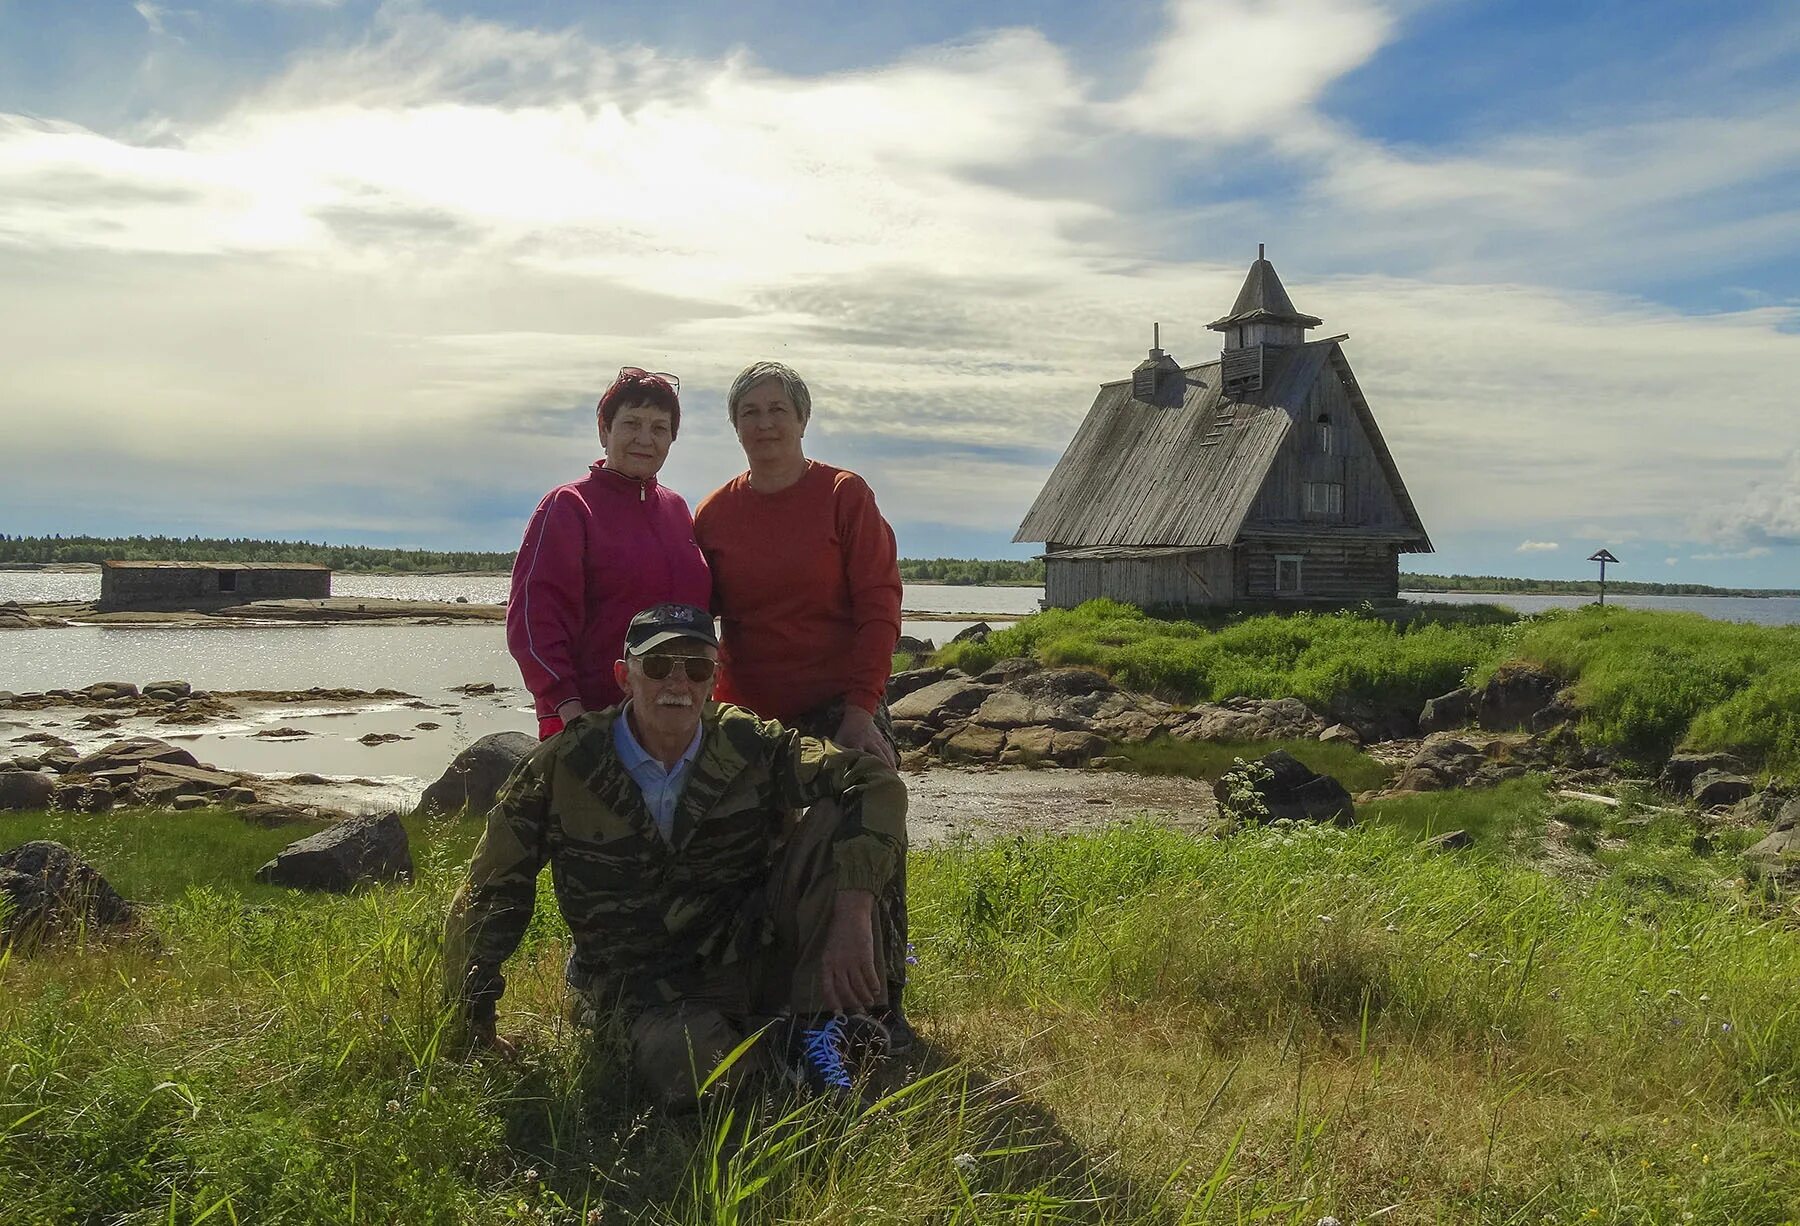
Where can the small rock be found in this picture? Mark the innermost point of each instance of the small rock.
(970, 743)
(381, 738)
(1515, 694)
(283, 733)
(354, 851)
(61, 759)
(938, 702)
(1679, 773)
(475, 687)
(427, 726)
(240, 796)
(1341, 734)
(1006, 671)
(974, 634)
(1777, 857)
(474, 777)
(168, 691)
(1292, 791)
(21, 790)
(105, 690)
(83, 798)
(131, 752)
(1077, 748)
(264, 814)
(1450, 840)
(907, 645)
(189, 801)
(52, 892)
(1713, 788)
(1447, 711)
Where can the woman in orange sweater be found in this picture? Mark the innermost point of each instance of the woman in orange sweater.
(807, 585)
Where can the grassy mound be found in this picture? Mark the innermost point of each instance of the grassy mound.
(1328, 660)
(1139, 1026)
(1648, 683)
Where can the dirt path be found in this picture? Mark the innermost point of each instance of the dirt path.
(946, 802)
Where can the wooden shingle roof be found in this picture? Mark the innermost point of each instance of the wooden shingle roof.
(1263, 300)
(1138, 474)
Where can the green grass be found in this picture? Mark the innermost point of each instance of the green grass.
(1649, 683)
(1142, 1026)
(1208, 760)
(1329, 661)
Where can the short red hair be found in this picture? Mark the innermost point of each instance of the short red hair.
(635, 386)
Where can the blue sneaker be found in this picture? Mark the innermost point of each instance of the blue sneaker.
(816, 1058)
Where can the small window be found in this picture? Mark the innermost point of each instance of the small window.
(1287, 574)
(1324, 498)
(1322, 429)
(228, 581)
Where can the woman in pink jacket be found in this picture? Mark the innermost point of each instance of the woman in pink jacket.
(599, 550)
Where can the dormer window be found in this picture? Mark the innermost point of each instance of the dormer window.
(1322, 432)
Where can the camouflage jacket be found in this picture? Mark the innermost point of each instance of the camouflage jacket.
(644, 910)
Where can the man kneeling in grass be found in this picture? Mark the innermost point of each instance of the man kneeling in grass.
(702, 909)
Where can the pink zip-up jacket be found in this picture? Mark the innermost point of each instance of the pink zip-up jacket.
(596, 552)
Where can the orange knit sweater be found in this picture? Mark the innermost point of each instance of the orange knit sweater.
(807, 585)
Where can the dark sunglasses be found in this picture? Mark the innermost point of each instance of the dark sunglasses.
(638, 372)
(658, 668)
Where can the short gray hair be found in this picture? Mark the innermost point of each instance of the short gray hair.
(755, 373)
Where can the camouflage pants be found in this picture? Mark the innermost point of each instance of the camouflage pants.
(674, 1046)
(890, 904)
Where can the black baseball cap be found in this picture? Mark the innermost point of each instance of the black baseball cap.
(662, 622)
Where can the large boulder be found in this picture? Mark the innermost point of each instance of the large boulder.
(1514, 695)
(167, 691)
(1252, 719)
(105, 691)
(1679, 773)
(1287, 790)
(354, 851)
(51, 892)
(1447, 711)
(132, 751)
(475, 776)
(25, 790)
(941, 701)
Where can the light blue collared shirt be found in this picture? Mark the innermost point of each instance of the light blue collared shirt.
(660, 785)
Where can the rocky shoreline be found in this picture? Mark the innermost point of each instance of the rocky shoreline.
(989, 733)
(52, 615)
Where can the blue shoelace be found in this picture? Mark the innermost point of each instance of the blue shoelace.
(824, 1050)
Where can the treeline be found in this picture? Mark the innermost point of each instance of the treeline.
(963, 572)
(1574, 587)
(352, 559)
(343, 558)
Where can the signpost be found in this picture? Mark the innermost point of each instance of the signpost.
(1603, 557)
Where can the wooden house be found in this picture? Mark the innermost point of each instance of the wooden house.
(1257, 479)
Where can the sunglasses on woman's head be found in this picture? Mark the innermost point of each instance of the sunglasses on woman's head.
(658, 667)
(638, 372)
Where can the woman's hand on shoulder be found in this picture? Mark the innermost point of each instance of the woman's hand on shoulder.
(857, 730)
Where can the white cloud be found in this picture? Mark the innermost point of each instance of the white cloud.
(1537, 547)
(408, 265)
(1765, 513)
(1228, 69)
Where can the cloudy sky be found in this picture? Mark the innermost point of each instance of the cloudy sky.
(357, 271)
